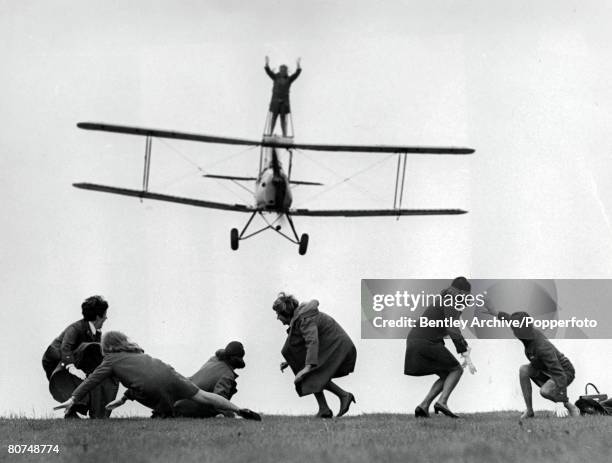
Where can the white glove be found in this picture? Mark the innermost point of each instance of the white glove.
(76, 372)
(560, 410)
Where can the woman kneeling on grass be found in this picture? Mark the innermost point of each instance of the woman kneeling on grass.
(150, 381)
(317, 349)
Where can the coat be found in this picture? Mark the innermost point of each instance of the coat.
(215, 376)
(315, 338)
(150, 381)
(63, 349)
(544, 357)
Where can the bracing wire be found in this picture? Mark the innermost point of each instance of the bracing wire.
(202, 169)
(346, 180)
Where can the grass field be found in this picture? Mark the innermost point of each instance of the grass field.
(486, 437)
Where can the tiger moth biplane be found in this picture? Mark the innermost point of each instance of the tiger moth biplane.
(272, 185)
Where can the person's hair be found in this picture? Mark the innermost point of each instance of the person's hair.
(93, 307)
(233, 355)
(285, 304)
(462, 284)
(116, 341)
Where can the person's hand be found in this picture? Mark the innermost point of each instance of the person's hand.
(302, 373)
(298, 62)
(116, 403)
(248, 414)
(560, 410)
(76, 372)
(283, 366)
(467, 361)
(267, 61)
(67, 405)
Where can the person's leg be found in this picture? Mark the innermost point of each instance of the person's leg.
(451, 380)
(525, 373)
(346, 398)
(324, 410)
(335, 389)
(273, 122)
(214, 400)
(102, 395)
(550, 391)
(283, 117)
(434, 392)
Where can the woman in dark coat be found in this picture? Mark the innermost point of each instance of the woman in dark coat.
(217, 375)
(317, 349)
(427, 355)
(74, 354)
(150, 381)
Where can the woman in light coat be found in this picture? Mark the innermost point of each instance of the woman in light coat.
(317, 349)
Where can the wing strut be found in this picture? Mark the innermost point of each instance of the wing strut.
(147, 164)
(399, 183)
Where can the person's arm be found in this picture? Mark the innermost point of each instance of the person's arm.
(69, 344)
(225, 387)
(103, 371)
(310, 333)
(268, 70)
(455, 334)
(295, 75)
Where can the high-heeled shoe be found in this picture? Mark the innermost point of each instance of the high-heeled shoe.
(439, 408)
(325, 414)
(345, 403)
(420, 412)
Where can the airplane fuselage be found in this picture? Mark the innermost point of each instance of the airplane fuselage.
(272, 189)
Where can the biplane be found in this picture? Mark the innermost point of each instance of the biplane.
(272, 185)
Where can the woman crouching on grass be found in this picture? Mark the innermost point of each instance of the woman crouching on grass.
(150, 381)
(317, 349)
(548, 368)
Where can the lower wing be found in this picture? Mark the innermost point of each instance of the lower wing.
(373, 212)
(167, 198)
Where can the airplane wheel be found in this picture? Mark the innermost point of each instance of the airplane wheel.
(234, 238)
(303, 244)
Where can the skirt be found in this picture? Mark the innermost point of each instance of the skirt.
(424, 357)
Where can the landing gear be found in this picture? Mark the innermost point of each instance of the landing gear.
(234, 238)
(237, 236)
(303, 247)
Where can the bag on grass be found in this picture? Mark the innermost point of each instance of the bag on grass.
(594, 404)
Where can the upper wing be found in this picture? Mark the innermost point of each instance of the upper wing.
(270, 143)
(373, 212)
(168, 198)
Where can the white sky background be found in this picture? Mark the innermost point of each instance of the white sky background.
(527, 84)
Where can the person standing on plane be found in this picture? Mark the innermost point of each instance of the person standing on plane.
(279, 104)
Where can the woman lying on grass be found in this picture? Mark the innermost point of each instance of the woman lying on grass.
(150, 381)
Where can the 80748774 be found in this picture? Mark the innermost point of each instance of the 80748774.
(33, 448)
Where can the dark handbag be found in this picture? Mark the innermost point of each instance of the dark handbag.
(591, 404)
(596, 397)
